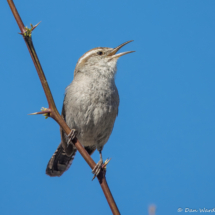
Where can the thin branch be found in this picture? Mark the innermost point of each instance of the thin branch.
(53, 112)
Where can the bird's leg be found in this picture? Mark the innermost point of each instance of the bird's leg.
(71, 136)
(96, 170)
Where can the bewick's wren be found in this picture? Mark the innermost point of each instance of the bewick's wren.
(90, 105)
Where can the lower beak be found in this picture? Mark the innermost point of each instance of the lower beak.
(115, 50)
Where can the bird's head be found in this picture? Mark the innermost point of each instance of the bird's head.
(100, 59)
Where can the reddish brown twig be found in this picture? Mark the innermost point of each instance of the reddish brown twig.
(52, 110)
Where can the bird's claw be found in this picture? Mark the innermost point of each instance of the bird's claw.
(100, 165)
(96, 170)
(106, 163)
(72, 135)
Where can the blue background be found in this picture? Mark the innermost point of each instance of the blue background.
(162, 145)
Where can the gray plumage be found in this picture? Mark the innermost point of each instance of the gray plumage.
(90, 106)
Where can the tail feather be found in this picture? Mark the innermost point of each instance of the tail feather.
(60, 161)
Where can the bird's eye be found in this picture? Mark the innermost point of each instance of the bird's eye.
(100, 53)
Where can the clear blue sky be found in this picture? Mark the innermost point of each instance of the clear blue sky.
(163, 142)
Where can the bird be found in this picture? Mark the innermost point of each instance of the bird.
(90, 106)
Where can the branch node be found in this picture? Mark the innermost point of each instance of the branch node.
(45, 111)
(27, 31)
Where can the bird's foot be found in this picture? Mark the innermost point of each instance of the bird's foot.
(100, 165)
(96, 170)
(71, 136)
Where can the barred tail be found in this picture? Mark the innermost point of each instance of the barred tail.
(60, 161)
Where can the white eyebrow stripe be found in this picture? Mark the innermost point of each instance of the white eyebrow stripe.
(87, 54)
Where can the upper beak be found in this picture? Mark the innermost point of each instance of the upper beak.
(115, 50)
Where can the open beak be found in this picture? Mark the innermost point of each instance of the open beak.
(115, 50)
